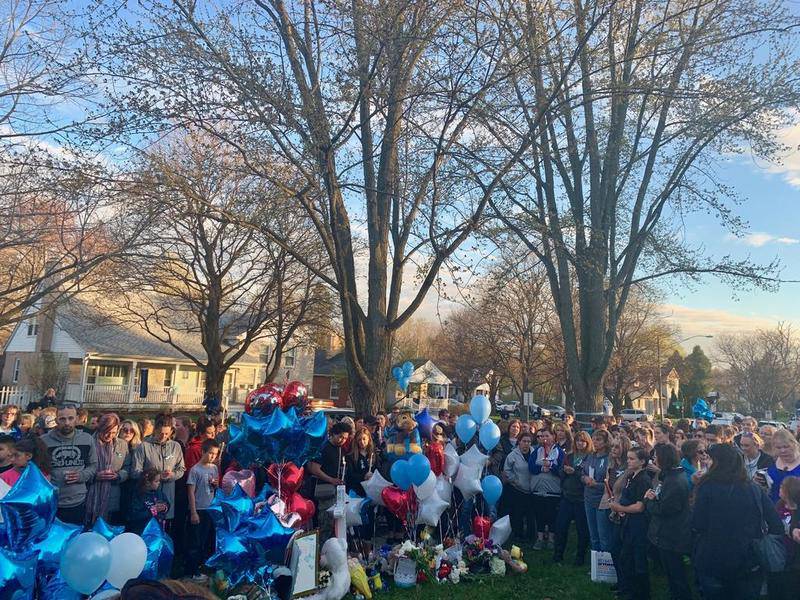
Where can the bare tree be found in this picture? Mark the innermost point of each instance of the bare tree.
(373, 105)
(643, 342)
(60, 221)
(229, 287)
(659, 92)
(761, 370)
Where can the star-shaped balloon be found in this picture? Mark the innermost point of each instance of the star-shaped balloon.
(269, 536)
(355, 510)
(17, 575)
(29, 508)
(107, 531)
(228, 510)
(232, 555)
(56, 588)
(281, 436)
(52, 545)
(160, 551)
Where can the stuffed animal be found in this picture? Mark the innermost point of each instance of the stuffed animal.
(405, 439)
(333, 557)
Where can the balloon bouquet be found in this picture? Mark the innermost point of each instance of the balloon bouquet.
(254, 531)
(40, 552)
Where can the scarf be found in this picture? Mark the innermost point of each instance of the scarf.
(751, 465)
(97, 498)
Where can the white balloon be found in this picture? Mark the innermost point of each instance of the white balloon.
(451, 460)
(444, 488)
(468, 480)
(473, 456)
(430, 510)
(374, 486)
(427, 488)
(128, 555)
(500, 531)
(352, 511)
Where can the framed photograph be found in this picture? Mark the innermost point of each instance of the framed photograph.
(305, 564)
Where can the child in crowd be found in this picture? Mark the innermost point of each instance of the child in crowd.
(26, 450)
(6, 453)
(201, 484)
(149, 501)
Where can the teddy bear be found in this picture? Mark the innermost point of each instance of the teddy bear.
(333, 556)
(405, 437)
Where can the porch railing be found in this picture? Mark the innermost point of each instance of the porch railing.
(117, 397)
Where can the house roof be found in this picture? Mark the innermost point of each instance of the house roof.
(97, 332)
(429, 373)
(326, 363)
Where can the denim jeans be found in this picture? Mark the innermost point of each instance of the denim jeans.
(571, 511)
(601, 529)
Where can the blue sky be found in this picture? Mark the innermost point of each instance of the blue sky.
(772, 210)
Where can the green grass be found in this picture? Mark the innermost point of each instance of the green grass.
(544, 580)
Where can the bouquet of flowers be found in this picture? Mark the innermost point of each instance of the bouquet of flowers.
(478, 555)
(423, 556)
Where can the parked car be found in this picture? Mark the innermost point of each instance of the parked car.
(507, 409)
(559, 412)
(793, 424)
(775, 424)
(726, 418)
(634, 414)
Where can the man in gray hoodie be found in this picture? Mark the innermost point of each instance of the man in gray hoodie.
(74, 462)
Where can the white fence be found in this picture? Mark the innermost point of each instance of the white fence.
(117, 397)
(432, 404)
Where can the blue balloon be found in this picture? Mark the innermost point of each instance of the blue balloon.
(492, 489)
(160, 551)
(401, 474)
(489, 435)
(17, 575)
(466, 428)
(57, 589)
(480, 408)
(425, 423)
(229, 510)
(307, 438)
(232, 555)
(107, 531)
(85, 562)
(408, 368)
(52, 545)
(403, 382)
(420, 467)
(397, 373)
(29, 508)
(269, 536)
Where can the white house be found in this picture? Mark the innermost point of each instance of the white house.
(105, 364)
(427, 387)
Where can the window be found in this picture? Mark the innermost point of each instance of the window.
(15, 376)
(167, 379)
(289, 358)
(334, 389)
(185, 374)
(111, 371)
(33, 327)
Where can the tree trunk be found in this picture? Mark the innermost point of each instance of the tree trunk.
(369, 396)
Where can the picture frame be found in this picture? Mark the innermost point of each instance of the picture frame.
(304, 563)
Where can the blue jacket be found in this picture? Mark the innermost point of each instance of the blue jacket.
(546, 483)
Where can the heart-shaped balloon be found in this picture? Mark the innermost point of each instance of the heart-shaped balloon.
(399, 502)
(290, 476)
(244, 478)
(481, 526)
(295, 503)
(435, 454)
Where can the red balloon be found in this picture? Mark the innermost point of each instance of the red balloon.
(263, 400)
(435, 454)
(303, 507)
(481, 527)
(400, 503)
(291, 476)
(295, 394)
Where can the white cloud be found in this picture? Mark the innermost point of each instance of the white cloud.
(759, 239)
(788, 164)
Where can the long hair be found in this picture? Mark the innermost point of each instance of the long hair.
(727, 465)
(667, 456)
(136, 440)
(570, 442)
(583, 435)
(624, 446)
(370, 449)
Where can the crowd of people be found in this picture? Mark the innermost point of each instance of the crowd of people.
(650, 494)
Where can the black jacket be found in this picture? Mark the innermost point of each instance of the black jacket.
(670, 519)
(571, 485)
(726, 519)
